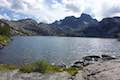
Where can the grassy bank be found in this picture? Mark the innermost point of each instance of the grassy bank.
(45, 67)
(7, 67)
(4, 39)
(39, 66)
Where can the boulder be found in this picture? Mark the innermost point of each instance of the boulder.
(62, 65)
(91, 58)
(80, 76)
(108, 57)
(78, 64)
(107, 70)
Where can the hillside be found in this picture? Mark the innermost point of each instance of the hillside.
(83, 26)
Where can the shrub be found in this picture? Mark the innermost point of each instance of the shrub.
(4, 39)
(7, 67)
(5, 29)
(40, 66)
(27, 68)
(72, 70)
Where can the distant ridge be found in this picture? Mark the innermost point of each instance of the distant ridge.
(84, 26)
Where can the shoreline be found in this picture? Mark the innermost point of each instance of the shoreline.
(85, 61)
(91, 71)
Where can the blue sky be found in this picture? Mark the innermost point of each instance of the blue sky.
(50, 10)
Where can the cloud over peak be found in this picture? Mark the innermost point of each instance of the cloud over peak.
(51, 10)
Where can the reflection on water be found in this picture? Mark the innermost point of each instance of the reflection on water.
(55, 49)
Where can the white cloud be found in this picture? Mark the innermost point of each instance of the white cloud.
(59, 9)
(104, 8)
(4, 3)
(4, 16)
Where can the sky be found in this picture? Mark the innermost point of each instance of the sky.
(49, 11)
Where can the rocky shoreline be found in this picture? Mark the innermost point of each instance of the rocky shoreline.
(2, 46)
(94, 67)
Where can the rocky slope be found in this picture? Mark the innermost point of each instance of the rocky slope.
(108, 70)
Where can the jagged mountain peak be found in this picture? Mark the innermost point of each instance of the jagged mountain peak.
(69, 17)
(85, 16)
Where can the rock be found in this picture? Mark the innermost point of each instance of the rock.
(78, 64)
(91, 58)
(33, 76)
(107, 70)
(102, 70)
(108, 57)
(80, 76)
(58, 76)
(1, 46)
(87, 60)
(62, 65)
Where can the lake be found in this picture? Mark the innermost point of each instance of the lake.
(28, 49)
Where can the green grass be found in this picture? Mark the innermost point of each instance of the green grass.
(40, 66)
(72, 70)
(4, 39)
(7, 67)
(27, 68)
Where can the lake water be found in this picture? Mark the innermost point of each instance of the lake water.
(55, 49)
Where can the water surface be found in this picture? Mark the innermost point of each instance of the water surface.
(55, 49)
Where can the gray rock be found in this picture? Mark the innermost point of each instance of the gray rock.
(14, 75)
(91, 58)
(62, 65)
(57, 76)
(108, 57)
(1, 46)
(80, 76)
(78, 64)
(107, 70)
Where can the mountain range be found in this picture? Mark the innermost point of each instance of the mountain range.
(83, 26)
